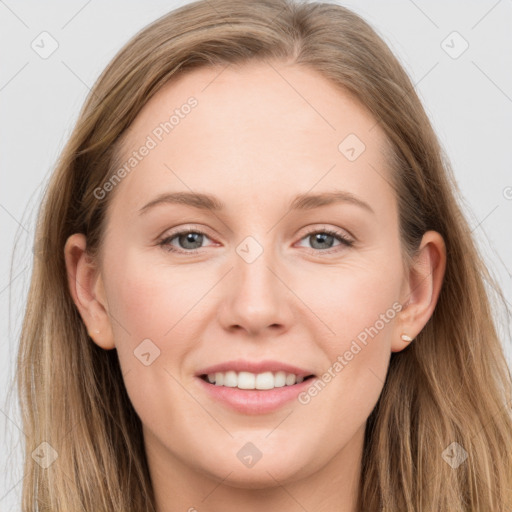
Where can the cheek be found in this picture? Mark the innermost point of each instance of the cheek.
(149, 300)
(154, 324)
(352, 300)
(358, 307)
(155, 314)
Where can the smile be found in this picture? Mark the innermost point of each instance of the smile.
(248, 380)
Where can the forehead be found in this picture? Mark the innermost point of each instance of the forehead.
(243, 131)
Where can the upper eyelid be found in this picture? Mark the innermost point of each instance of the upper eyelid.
(188, 229)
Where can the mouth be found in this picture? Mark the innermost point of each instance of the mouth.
(251, 381)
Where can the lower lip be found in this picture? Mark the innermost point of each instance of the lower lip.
(255, 401)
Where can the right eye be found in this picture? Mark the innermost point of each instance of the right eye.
(190, 240)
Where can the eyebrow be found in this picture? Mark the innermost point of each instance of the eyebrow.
(300, 202)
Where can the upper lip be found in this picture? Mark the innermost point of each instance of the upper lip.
(242, 365)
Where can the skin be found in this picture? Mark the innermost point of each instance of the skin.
(259, 135)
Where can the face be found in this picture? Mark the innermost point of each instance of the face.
(261, 279)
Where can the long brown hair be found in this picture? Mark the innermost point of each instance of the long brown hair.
(452, 385)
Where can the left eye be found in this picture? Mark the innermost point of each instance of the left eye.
(191, 240)
(327, 236)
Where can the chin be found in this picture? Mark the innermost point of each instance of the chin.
(273, 472)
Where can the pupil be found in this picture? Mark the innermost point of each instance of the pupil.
(322, 237)
(192, 238)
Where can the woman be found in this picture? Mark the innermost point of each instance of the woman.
(327, 345)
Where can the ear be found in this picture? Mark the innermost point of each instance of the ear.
(86, 287)
(421, 289)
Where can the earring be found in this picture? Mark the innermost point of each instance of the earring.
(97, 331)
(406, 338)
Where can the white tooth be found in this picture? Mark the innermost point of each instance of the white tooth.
(230, 379)
(290, 379)
(265, 380)
(279, 379)
(246, 380)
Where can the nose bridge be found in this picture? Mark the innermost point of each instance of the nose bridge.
(257, 297)
(254, 258)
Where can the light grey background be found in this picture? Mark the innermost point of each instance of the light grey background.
(468, 98)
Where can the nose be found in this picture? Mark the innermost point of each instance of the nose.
(257, 298)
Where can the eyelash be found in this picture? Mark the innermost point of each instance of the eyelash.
(164, 243)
